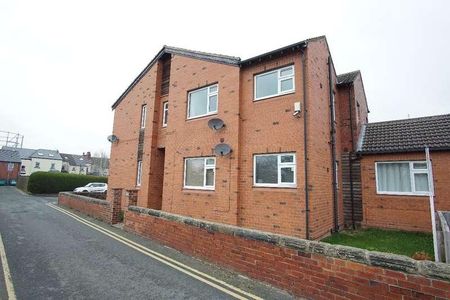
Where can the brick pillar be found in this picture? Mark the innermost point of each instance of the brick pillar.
(116, 206)
(132, 197)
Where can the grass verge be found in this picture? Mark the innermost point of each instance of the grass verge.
(392, 241)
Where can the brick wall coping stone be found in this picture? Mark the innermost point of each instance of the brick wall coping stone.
(85, 198)
(372, 258)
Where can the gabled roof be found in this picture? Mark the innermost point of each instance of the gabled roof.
(75, 159)
(24, 153)
(282, 50)
(217, 58)
(407, 135)
(347, 78)
(9, 156)
(46, 154)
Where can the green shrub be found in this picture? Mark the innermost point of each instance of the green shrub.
(51, 183)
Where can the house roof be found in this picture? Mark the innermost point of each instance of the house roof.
(218, 58)
(75, 159)
(9, 156)
(347, 78)
(407, 135)
(46, 154)
(24, 153)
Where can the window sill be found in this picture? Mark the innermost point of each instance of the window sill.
(403, 194)
(193, 188)
(273, 96)
(202, 116)
(291, 187)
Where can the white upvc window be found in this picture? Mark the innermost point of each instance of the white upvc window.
(139, 173)
(165, 113)
(199, 173)
(274, 170)
(402, 177)
(203, 101)
(143, 115)
(274, 83)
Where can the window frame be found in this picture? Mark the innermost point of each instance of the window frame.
(139, 173)
(164, 116)
(412, 171)
(143, 116)
(208, 96)
(280, 165)
(205, 168)
(279, 80)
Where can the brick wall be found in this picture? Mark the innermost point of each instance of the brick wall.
(193, 138)
(103, 210)
(4, 171)
(268, 126)
(305, 268)
(403, 212)
(320, 164)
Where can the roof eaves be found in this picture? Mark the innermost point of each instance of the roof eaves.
(347, 78)
(139, 77)
(217, 58)
(405, 150)
(299, 45)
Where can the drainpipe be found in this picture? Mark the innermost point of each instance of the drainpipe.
(333, 147)
(305, 144)
(350, 159)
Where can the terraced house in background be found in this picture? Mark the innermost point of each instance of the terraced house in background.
(258, 143)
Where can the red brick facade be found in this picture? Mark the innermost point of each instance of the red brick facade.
(404, 212)
(251, 127)
(4, 174)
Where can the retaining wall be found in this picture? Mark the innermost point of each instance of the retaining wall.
(106, 211)
(306, 268)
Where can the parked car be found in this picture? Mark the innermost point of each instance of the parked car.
(92, 187)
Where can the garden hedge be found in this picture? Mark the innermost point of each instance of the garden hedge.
(52, 183)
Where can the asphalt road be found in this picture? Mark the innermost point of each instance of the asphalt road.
(52, 255)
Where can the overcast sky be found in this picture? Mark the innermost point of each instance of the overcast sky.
(63, 63)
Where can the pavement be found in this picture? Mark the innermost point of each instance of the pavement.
(61, 254)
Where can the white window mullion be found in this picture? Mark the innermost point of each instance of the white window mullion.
(204, 173)
(411, 177)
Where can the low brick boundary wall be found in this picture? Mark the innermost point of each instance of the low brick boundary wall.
(306, 268)
(103, 210)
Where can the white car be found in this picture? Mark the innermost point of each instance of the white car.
(93, 187)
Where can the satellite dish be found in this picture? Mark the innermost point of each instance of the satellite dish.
(222, 149)
(113, 138)
(215, 124)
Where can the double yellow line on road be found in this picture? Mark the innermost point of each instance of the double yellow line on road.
(205, 278)
(6, 272)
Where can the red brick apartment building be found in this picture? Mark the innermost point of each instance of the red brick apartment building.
(291, 124)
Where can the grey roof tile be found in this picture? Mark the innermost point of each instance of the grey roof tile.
(23, 152)
(347, 78)
(47, 154)
(407, 135)
(9, 156)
